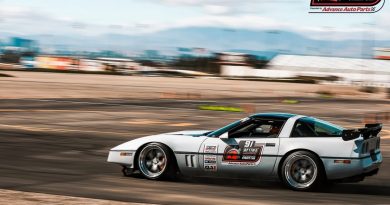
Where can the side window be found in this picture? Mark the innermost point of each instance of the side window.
(312, 127)
(303, 129)
(258, 129)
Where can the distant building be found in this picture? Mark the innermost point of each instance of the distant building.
(231, 64)
(86, 64)
(290, 66)
(1, 47)
(193, 52)
(117, 64)
(57, 62)
(19, 50)
(21, 45)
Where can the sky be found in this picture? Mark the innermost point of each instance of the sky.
(98, 17)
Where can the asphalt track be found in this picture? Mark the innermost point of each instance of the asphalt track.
(58, 145)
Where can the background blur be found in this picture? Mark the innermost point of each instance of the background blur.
(78, 77)
(256, 38)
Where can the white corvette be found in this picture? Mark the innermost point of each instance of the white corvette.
(304, 152)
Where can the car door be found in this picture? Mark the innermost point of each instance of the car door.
(245, 151)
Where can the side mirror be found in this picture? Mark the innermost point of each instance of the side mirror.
(224, 136)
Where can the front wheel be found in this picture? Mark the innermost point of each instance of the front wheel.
(155, 161)
(302, 171)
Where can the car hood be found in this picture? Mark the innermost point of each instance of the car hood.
(182, 140)
(189, 132)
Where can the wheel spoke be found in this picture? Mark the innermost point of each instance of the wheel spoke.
(159, 167)
(159, 154)
(161, 164)
(154, 168)
(154, 153)
(304, 163)
(296, 175)
(295, 167)
(162, 161)
(150, 155)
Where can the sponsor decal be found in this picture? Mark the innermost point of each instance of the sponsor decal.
(246, 153)
(346, 6)
(210, 158)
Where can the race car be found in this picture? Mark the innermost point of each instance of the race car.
(304, 152)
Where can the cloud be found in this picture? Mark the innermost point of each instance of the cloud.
(383, 19)
(254, 22)
(16, 12)
(197, 2)
(216, 9)
(224, 2)
(27, 21)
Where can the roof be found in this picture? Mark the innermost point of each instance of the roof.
(279, 115)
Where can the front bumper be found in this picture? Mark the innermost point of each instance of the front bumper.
(122, 157)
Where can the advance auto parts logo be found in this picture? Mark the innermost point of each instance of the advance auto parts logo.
(346, 6)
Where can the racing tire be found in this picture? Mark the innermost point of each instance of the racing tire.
(156, 161)
(302, 171)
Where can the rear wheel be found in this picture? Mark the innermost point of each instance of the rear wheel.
(155, 161)
(302, 171)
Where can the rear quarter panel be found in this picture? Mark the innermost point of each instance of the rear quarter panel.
(327, 148)
(322, 146)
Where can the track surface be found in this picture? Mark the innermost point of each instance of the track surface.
(58, 144)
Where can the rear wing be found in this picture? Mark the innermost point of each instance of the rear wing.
(370, 130)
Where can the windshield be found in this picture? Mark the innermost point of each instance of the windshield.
(228, 127)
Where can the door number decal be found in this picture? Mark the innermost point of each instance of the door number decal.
(247, 153)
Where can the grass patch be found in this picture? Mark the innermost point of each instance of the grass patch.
(289, 101)
(325, 94)
(220, 108)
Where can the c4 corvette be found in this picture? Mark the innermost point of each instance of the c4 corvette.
(304, 152)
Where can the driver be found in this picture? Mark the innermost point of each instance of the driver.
(274, 131)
